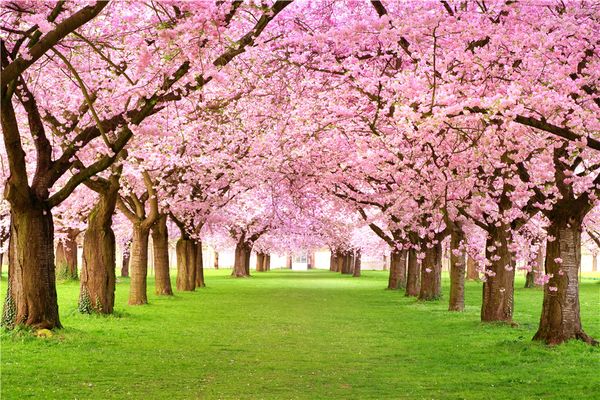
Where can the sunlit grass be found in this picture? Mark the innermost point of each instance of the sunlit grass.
(291, 335)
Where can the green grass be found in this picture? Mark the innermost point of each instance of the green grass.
(299, 335)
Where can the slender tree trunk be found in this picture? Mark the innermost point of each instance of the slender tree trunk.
(260, 257)
(457, 271)
(289, 262)
(126, 258)
(431, 273)
(594, 262)
(385, 262)
(31, 293)
(472, 273)
(199, 266)
(311, 260)
(397, 278)
(267, 262)
(498, 287)
(160, 244)
(357, 264)
(412, 274)
(241, 265)
(139, 265)
(186, 264)
(98, 277)
(560, 320)
(1, 262)
(216, 263)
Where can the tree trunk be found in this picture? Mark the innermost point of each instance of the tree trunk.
(97, 289)
(536, 270)
(498, 287)
(260, 260)
(31, 293)
(289, 262)
(216, 261)
(560, 320)
(241, 265)
(472, 273)
(412, 274)
(457, 271)
(66, 256)
(199, 266)
(160, 244)
(347, 263)
(186, 264)
(1, 263)
(397, 278)
(594, 263)
(126, 258)
(385, 262)
(333, 262)
(139, 265)
(310, 260)
(357, 264)
(267, 266)
(431, 273)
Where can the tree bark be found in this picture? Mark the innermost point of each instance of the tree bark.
(498, 287)
(126, 259)
(431, 273)
(66, 256)
(357, 264)
(199, 266)
(560, 320)
(260, 260)
(31, 294)
(347, 263)
(333, 262)
(457, 271)
(397, 277)
(97, 288)
(241, 265)
(139, 265)
(216, 261)
(289, 262)
(412, 274)
(186, 264)
(472, 273)
(267, 262)
(160, 244)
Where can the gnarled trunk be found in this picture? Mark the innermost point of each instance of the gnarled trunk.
(412, 274)
(560, 320)
(66, 256)
(139, 265)
(357, 264)
(160, 244)
(498, 287)
(199, 266)
(97, 289)
(397, 278)
(472, 273)
(431, 273)
(31, 294)
(457, 271)
(186, 264)
(241, 264)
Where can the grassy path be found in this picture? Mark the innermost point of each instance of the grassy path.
(299, 335)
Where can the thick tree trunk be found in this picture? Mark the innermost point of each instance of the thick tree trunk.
(97, 289)
(160, 244)
(66, 256)
(199, 266)
(472, 273)
(267, 266)
(498, 287)
(139, 265)
(333, 262)
(357, 264)
(457, 271)
(260, 261)
(560, 320)
(412, 274)
(431, 273)
(126, 259)
(397, 278)
(186, 265)
(31, 294)
(347, 264)
(216, 260)
(241, 265)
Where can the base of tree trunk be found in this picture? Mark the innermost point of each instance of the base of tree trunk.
(412, 275)
(186, 265)
(431, 274)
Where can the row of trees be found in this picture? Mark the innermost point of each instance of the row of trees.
(283, 125)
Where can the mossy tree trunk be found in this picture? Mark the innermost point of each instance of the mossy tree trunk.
(98, 277)
(160, 243)
(66, 256)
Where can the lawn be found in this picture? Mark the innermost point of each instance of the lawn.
(299, 335)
